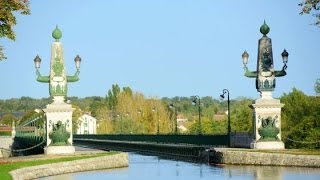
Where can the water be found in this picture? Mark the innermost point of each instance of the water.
(154, 168)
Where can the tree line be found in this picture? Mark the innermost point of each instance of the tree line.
(125, 111)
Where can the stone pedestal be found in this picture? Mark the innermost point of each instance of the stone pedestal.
(55, 112)
(59, 150)
(267, 122)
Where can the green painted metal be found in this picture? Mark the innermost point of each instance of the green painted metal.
(210, 140)
(264, 29)
(31, 134)
(59, 135)
(268, 130)
(57, 34)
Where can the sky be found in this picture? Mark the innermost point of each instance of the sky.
(161, 48)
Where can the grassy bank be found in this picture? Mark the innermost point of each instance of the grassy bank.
(7, 167)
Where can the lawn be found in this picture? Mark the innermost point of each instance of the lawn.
(6, 168)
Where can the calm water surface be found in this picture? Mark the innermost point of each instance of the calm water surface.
(154, 168)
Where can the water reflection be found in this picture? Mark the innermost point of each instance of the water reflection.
(154, 168)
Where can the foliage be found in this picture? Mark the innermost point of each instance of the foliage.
(8, 19)
(129, 112)
(300, 120)
(77, 113)
(311, 6)
(8, 119)
(317, 87)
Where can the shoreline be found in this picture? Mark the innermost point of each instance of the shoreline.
(89, 164)
(246, 157)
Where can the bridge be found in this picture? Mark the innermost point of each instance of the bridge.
(30, 138)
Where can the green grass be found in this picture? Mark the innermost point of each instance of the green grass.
(6, 168)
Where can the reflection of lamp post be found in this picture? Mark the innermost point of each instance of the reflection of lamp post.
(195, 98)
(171, 106)
(154, 109)
(224, 91)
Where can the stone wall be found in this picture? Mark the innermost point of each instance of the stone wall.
(90, 164)
(5, 146)
(6, 142)
(245, 157)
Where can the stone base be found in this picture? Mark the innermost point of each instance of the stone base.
(59, 150)
(267, 145)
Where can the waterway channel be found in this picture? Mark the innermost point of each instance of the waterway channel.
(143, 167)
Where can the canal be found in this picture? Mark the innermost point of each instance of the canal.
(154, 168)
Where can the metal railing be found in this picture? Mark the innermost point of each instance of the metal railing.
(210, 140)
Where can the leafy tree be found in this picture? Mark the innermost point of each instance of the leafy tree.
(317, 87)
(8, 119)
(112, 96)
(300, 120)
(8, 19)
(311, 6)
(77, 113)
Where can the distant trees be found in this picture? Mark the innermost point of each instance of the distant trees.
(8, 19)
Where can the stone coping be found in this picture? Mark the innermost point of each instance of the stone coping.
(245, 157)
(89, 164)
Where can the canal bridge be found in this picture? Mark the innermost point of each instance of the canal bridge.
(30, 138)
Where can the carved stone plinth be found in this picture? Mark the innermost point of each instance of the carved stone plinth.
(267, 123)
(49, 150)
(59, 112)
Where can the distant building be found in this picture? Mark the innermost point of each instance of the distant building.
(88, 124)
(181, 121)
(220, 117)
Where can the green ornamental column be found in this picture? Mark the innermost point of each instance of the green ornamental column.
(58, 113)
(266, 110)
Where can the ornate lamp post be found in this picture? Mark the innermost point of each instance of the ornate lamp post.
(58, 113)
(266, 109)
(171, 106)
(154, 109)
(226, 91)
(195, 99)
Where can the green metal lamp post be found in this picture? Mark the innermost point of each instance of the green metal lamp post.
(154, 109)
(195, 99)
(266, 109)
(57, 79)
(58, 113)
(265, 73)
(226, 91)
(171, 106)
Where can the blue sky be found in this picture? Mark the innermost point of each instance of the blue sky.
(162, 48)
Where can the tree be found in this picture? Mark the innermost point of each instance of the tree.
(311, 6)
(8, 119)
(112, 96)
(8, 20)
(77, 113)
(317, 87)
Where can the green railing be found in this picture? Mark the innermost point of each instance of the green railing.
(31, 135)
(210, 140)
